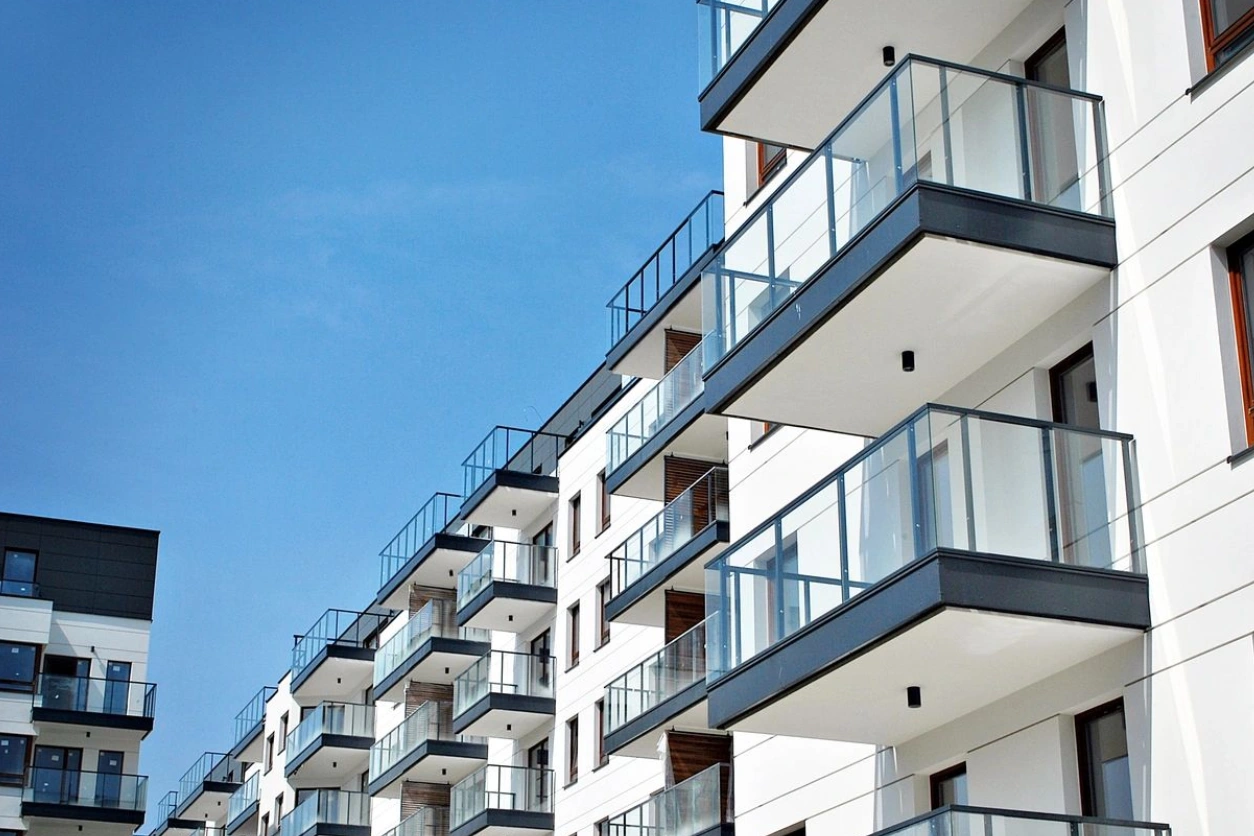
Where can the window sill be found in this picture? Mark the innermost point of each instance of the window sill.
(603, 529)
(601, 765)
(601, 645)
(567, 786)
(1236, 458)
(17, 688)
(764, 436)
(572, 555)
(572, 666)
(1220, 71)
(766, 181)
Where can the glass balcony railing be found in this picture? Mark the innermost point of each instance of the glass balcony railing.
(503, 672)
(701, 230)
(427, 821)
(500, 560)
(331, 807)
(431, 721)
(243, 798)
(496, 787)
(655, 680)
(118, 697)
(348, 719)
(680, 386)
(509, 448)
(251, 717)
(211, 766)
(944, 478)
(927, 121)
(336, 627)
(436, 618)
(433, 517)
(683, 518)
(723, 26)
(209, 830)
(77, 788)
(694, 806)
(166, 807)
(985, 821)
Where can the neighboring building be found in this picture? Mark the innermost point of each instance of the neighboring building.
(75, 619)
(914, 502)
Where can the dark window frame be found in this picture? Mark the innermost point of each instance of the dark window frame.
(283, 729)
(269, 754)
(572, 750)
(1087, 802)
(1217, 42)
(602, 758)
(572, 636)
(604, 593)
(18, 779)
(1056, 374)
(1242, 289)
(5, 582)
(603, 498)
(937, 778)
(576, 523)
(18, 685)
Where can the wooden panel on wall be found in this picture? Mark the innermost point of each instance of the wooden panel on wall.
(680, 474)
(688, 753)
(684, 610)
(678, 345)
(416, 693)
(420, 595)
(415, 794)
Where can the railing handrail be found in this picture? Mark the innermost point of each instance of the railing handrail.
(523, 551)
(45, 675)
(1164, 829)
(622, 427)
(32, 769)
(657, 659)
(387, 550)
(530, 433)
(722, 771)
(319, 718)
(203, 767)
(255, 702)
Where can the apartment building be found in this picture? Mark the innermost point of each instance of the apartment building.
(75, 618)
(909, 497)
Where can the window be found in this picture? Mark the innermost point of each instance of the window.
(572, 636)
(1105, 776)
(599, 735)
(604, 501)
(542, 649)
(283, 732)
(18, 663)
(1228, 26)
(265, 825)
(949, 786)
(1073, 387)
(770, 160)
(576, 506)
(278, 809)
(14, 750)
(1055, 169)
(759, 430)
(572, 750)
(1241, 275)
(603, 623)
(270, 755)
(17, 575)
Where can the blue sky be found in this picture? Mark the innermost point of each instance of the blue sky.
(269, 271)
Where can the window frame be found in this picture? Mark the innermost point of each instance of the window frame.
(603, 499)
(935, 780)
(1085, 768)
(269, 754)
(572, 750)
(17, 685)
(1217, 42)
(604, 593)
(602, 757)
(575, 523)
(768, 167)
(283, 730)
(16, 780)
(1241, 289)
(4, 576)
(572, 636)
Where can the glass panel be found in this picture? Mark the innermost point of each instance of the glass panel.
(340, 627)
(331, 807)
(502, 788)
(696, 805)
(430, 721)
(210, 766)
(427, 821)
(97, 696)
(1009, 489)
(330, 718)
(664, 675)
(78, 788)
(522, 563)
(436, 618)
(723, 27)
(654, 411)
(243, 797)
(512, 449)
(503, 672)
(433, 517)
(248, 721)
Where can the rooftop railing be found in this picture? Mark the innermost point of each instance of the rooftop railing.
(93, 695)
(652, 682)
(682, 385)
(79, 788)
(694, 806)
(430, 721)
(437, 618)
(987, 821)
(723, 26)
(433, 517)
(336, 627)
(944, 478)
(211, 766)
(243, 798)
(683, 518)
(426, 821)
(693, 238)
(166, 807)
(496, 787)
(349, 719)
(510, 448)
(928, 121)
(331, 807)
(251, 716)
(503, 672)
(500, 560)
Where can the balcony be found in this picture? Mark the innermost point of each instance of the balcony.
(954, 212)
(249, 724)
(429, 648)
(329, 813)
(660, 298)
(424, 747)
(987, 821)
(330, 746)
(102, 798)
(334, 659)
(207, 786)
(424, 553)
(504, 694)
(665, 691)
(503, 801)
(667, 552)
(767, 65)
(962, 546)
(427, 821)
(508, 480)
(88, 701)
(243, 807)
(508, 586)
(671, 419)
(699, 806)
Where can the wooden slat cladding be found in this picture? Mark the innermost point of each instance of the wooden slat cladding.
(416, 693)
(420, 595)
(688, 753)
(684, 610)
(680, 474)
(415, 794)
(678, 345)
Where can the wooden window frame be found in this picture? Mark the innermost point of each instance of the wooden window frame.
(937, 778)
(604, 501)
(599, 736)
(572, 636)
(576, 526)
(572, 750)
(768, 167)
(604, 593)
(1241, 287)
(1217, 42)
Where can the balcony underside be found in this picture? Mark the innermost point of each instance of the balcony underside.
(956, 277)
(940, 623)
(642, 352)
(438, 660)
(433, 761)
(249, 747)
(435, 564)
(245, 821)
(208, 803)
(509, 499)
(509, 716)
(178, 827)
(506, 823)
(54, 819)
(644, 601)
(639, 737)
(323, 828)
(330, 761)
(49, 717)
(694, 433)
(511, 607)
(337, 674)
(779, 85)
